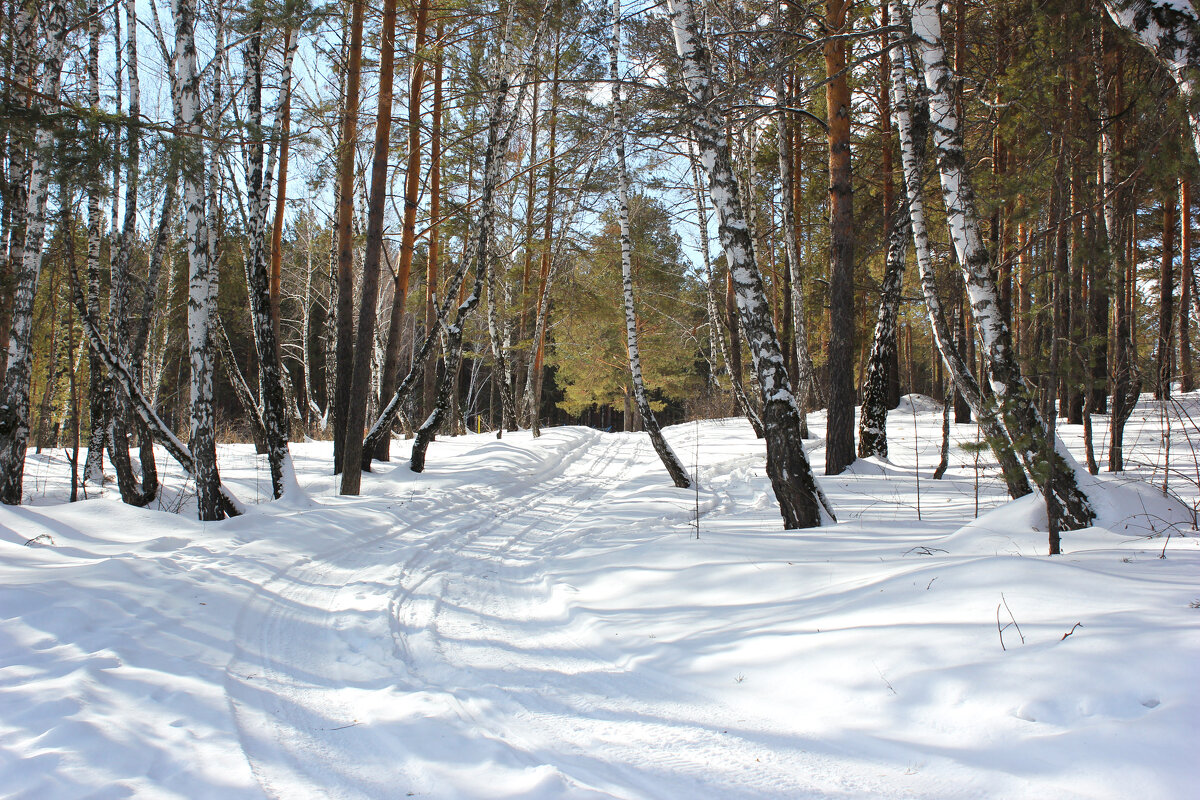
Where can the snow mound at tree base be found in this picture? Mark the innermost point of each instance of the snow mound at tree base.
(1125, 511)
(923, 403)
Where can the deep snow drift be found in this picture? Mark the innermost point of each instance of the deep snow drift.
(537, 618)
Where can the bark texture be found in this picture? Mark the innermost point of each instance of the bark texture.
(14, 406)
(911, 124)
(670, 461)
(1044, 459)
(801, 501)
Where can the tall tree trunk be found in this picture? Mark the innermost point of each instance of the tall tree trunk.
(795, 300)
(258, 182)
(1126, 383)
(1166, 299)
(912, 127)
(435, 211)
(1186, 289)
(872, 427)
(121, 324)
(497, 289)
(715, 321)
(1016, 403)
(876, 394)
(98, 398)
(24, 30)
(839, 448)
(800, 499)
(670, 461)
(285, 129)
(14, 406)
(537, 347)
(408, 231)
(356, 411)
(201, 282)
(344, 350)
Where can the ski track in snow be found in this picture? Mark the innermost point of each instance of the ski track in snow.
(431, 619)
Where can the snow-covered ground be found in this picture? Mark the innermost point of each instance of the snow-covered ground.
(544, 618)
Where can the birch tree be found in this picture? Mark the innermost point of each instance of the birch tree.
(1170, 30)
(912, 127)
(201, 283)
(801, 501)
(14, 406)
(671, 461)
(1045, 460)
(258, 183)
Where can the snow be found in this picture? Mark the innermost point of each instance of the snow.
(537, 618)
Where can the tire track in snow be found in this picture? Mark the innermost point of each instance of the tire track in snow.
(310, 663)
(584, 712)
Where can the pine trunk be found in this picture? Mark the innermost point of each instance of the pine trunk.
(1166, 299)
(356, 410)
(408, 231)
(344, 349)
(839, 446)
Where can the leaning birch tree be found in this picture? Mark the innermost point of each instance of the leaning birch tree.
(912, 125)
(801, 501)
(258, 184)
(499, 134)
(671, 461)
(1170, 30)
(1046, 460)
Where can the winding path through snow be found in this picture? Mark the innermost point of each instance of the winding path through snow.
(435, 654)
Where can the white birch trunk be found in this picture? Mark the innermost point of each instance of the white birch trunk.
(715, 324)
(14, 407)
(200, 282)
(1021, 418)
(93, 471)
(801, 500)
(805, 382)
(912, 135)
(1170, 30)
(258, 182)
(671, 461)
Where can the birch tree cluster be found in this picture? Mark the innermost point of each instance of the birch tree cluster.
(380, 224)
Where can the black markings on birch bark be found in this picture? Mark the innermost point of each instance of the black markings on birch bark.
(911, 125)
(801, 500)
(14, 406)
(670, 461)
(1171, 32)
(199, 235)
(805, 380)
(1026, 427)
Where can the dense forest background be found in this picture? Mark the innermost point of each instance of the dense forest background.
(279, 197)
